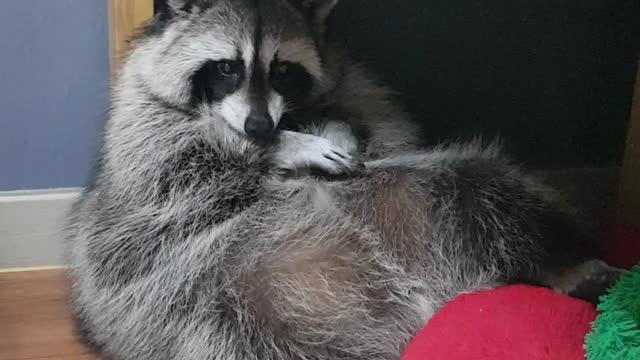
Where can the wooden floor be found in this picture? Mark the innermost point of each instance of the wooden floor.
(34, 323)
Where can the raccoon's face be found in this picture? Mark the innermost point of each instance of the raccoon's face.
(243, 63)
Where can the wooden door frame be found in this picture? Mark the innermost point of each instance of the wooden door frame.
(629, 195)
(125, 16)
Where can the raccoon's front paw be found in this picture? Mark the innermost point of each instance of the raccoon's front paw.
(302, 154)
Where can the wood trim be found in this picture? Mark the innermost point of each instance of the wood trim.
(629, 200)
(125, 16)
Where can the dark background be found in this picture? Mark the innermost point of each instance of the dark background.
(554, 79)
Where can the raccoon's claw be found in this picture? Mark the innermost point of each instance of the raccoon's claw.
(349, 162)
(341, 163)
(341, 156)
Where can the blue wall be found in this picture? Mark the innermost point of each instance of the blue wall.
(54, 71)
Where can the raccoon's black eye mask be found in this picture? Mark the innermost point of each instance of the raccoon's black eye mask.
(290, 80)
(216, 79)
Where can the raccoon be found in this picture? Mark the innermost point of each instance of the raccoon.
(190, 243)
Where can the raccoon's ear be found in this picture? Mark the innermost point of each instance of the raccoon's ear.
(186, 6)
(318, 10)
(178, 5)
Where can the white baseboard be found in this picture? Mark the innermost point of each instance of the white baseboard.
(31, 224)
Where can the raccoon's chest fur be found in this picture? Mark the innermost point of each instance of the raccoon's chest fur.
(237, 179)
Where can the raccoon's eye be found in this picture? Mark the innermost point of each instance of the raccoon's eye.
(283, 69)
(216, 79)
(227, 68)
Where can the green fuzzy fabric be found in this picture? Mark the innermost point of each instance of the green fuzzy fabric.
(616, 330)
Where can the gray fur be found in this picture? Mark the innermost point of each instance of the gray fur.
(192, 246)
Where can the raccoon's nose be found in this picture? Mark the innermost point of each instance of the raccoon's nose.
(259, 125)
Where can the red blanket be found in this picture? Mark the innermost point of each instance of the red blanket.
(515, 322)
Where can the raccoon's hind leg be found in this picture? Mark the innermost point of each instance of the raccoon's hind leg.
(587, 281)
(571, 265)
(323, 290)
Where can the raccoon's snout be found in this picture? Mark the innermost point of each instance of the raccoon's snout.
(259, 125)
